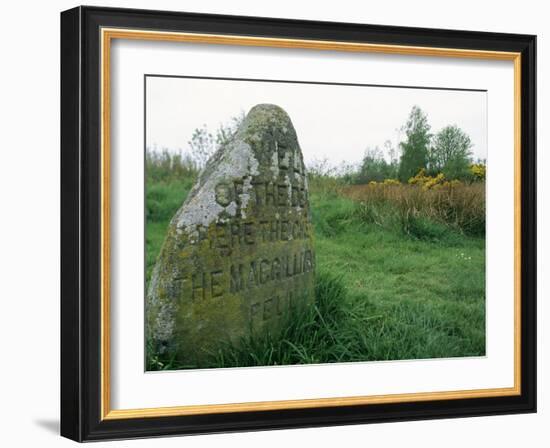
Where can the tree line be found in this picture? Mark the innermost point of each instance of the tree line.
(448, 152)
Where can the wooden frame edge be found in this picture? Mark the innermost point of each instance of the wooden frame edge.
(107, 34)
(306, 403)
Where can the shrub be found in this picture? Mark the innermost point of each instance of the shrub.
(479, 171)
(427, 182)
(391, 182)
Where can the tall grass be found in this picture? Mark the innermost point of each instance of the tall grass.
(309, 335)
(459, 206)
(400, 273)
(166, 166)
(339, 327)
(325, 185)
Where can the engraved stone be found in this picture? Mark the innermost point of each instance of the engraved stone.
(238, 256)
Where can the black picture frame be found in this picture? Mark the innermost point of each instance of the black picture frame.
(81, 414)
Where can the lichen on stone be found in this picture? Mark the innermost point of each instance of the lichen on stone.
(239, 252)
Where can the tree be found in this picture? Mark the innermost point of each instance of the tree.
(450, 153)
(394, 159)
(374, 167)
(392, 152)
(227, 131)
(414, 150)
(202, 145)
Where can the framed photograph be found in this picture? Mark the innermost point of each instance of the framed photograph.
(273, 223)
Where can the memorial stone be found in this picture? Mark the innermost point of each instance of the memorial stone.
(238, 257)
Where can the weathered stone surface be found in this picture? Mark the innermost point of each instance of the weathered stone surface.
(239, 253)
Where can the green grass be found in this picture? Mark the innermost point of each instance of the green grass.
(385, 289)
(425, 297)
(163, 199)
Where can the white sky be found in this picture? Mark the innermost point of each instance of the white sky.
(332, 121)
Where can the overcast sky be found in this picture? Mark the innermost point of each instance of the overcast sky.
(332, 121)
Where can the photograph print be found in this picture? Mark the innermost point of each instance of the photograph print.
(308, 223)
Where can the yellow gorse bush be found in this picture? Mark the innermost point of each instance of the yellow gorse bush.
(478, 170)
(427, 182)
(391, 182)
(450, 184)
(384, 183)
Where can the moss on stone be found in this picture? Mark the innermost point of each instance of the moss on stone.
(239, 253)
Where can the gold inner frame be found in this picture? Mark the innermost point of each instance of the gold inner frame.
(107, 35)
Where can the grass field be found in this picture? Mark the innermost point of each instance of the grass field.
(400, 275)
